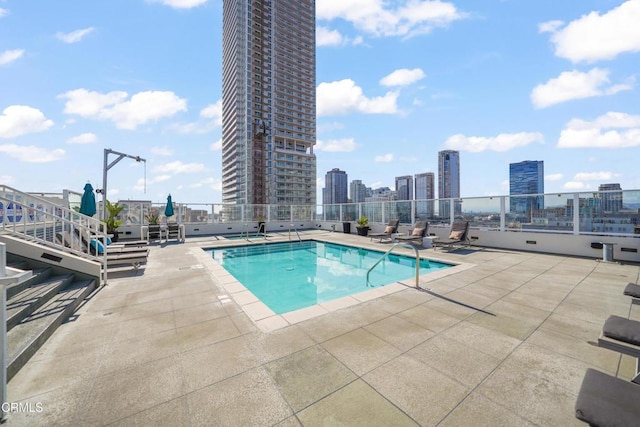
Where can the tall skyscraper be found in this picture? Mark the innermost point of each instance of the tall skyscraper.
(358, 191)
(611, 201)
(335, 187)
(526, 178)
(404, 187)
(449, 181)
(268, 102)
(425, 193)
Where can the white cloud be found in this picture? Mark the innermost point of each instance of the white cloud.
(216, 146)
(502, 142)
(344, 145)
(593, 176)
(611, 130)
(83, 138)
(213, 183)
(328, 37)
(553, 177)
(8, 56)
(385, 158)
(32, 154)
(343, 97)
(575, 85)
(596, 37)
(140, 109)
(180, 4)
(379, 18)
(19, 120)
(403, 77)
(550, 26)
(3, 12)
(74, 36)
(6, 179)
(574, 185)
(179, 167)
(141, 183)
(210, 119)
(162, 151)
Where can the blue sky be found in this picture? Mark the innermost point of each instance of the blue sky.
(501, 81)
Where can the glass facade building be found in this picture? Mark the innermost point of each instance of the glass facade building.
(268, 102)
(449, 181)
(425, 193)
(526, 178)
(335, 187)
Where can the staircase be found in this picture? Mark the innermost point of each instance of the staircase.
(39, 304)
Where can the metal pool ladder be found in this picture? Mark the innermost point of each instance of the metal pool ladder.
(296, 230)
(389, 251)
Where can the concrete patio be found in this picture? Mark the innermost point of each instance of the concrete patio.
(503, 342)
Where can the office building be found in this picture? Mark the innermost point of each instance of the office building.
(526, 178)
(425, 193)
(335, 187)
(449, 182)
(357, 191)
(404, 187)
(611, 198)
(268, 102)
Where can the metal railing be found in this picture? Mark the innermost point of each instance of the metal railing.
(594, 212)
(38, 220)
(405, 245)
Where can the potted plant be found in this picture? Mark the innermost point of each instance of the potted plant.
(363, 226)
(111, 222)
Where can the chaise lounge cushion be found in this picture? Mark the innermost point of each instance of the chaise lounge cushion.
(622, 329)
(417, 232)
(604, 400)
(389, 229)
(456, 235)
(632, 290)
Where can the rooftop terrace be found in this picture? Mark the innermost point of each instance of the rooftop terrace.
(505, 341)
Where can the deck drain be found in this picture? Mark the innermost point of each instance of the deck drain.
(107, 313)
(192, 267)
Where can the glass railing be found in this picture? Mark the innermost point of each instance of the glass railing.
(611, 212)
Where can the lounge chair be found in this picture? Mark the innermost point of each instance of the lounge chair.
(417, 234)
(459, 234)
(621, 335)
(604, 400)
(173, 231)
(392, 228)
(632, 290)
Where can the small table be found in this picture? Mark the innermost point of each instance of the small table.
(427, 241)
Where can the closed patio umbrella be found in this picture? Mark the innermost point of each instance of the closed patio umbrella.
(88, 201)
(168, 210)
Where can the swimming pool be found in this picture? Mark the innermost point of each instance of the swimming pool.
(293, 275)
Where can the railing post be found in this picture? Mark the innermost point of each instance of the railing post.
(3, 330)
(503, 214)
(576, 214)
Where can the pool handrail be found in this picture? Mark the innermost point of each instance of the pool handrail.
(389, 251)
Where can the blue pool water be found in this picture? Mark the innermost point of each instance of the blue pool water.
(293, 275)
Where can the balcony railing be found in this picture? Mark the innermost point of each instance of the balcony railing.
(610, 212)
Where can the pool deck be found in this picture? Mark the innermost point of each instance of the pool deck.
(503, 341)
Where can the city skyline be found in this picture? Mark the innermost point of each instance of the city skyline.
(396, 83)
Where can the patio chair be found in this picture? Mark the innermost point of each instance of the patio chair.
(417, 234)
(632, 290)
(458, 235)
(173, 231)
(604, 400)
(621, 335)
(392, 228)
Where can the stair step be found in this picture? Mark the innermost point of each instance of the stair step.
(24, 340)
(38, 275)
(21, 264)
(30, 299)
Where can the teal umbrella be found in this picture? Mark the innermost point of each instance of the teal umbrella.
(88, 201)
(168, 210)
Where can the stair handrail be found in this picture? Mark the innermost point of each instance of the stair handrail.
(296, 230)
(23, 215)
(405, 245)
